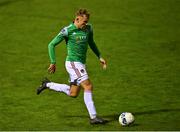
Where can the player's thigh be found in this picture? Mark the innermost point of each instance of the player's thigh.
(77, 72)
(74, 90)
(87, 85)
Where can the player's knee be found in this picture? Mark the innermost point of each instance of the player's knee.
(88, 86)
(73, 95)
(74, 91)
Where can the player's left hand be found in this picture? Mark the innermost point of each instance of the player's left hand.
(103, 62)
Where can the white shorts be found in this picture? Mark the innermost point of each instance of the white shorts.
(77, 72)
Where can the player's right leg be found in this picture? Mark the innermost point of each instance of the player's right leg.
(47, 84)
(43, 86)
(72, 90)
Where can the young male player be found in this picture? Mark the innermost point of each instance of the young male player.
(78, 35)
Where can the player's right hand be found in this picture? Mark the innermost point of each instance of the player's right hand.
(52, 68)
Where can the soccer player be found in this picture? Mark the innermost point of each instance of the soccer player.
(78, 35)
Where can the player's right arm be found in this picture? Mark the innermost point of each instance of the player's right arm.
(51, 49)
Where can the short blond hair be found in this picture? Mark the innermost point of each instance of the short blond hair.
(82, 12)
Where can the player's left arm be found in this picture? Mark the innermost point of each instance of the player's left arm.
(95, 49)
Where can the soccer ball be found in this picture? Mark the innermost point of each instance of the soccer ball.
(126, 118)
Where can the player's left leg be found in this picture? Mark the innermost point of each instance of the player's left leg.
(88, 100)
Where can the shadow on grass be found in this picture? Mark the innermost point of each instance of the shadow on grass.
(8, 2)
(76, 116)
(156, 111)
(115, 117)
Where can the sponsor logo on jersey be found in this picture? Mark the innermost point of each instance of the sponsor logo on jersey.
(81, 38)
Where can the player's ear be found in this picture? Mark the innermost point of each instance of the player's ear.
(77, 19)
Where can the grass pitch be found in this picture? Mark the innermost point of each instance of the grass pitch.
(139, 39)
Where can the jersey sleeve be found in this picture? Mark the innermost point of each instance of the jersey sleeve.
(51, 47)
(92, 44)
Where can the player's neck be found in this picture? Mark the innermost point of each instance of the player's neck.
(76, 24)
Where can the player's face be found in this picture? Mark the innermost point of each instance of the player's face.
(82, 21)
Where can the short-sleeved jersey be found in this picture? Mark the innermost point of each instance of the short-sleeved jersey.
(77, 41)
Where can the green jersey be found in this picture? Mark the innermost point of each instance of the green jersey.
(77, 41)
